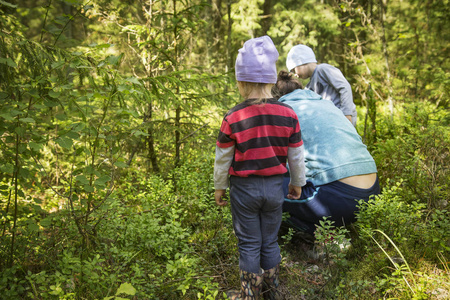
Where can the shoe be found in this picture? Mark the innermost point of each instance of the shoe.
(271, 284)
(251, 285)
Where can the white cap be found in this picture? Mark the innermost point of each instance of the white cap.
(299, 55)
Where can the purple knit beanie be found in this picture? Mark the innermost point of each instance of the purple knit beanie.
(256, 61)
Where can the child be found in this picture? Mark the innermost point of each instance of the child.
(326, 80)
(339, 169)
(256, 139)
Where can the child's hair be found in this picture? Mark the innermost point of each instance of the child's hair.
(247, 87)
(286, 83)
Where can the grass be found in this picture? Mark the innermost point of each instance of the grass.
(370, 272)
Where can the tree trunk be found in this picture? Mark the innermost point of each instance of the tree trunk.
(177, 136)
(383, 7)
(16, 202)
(68, 11)
(217, 21)
(151, 140)
(267, 17)
(230, 59)
(178, 108)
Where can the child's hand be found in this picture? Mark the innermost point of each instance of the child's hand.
(218, 196)
(294, 192)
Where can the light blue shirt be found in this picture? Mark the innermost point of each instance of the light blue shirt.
(333, 148)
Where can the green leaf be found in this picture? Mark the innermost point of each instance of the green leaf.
(73, 135)
(61, 117)
(79, 151)
(67, 86)
(34, 93)
(64, 142)
(138, 133)
(56, 290)
(14, 112)
(8, 4)
(133, 80)
(7, 168)
(35, 146)
(88, 188)
(20, 131)
(54, 94)
(120, 164)
(7, 116)
(89, 170)
(82, 179)
(46, 222)
(123, 88)
(57, 64)
(32, 226)
(87, 7)
(78, 127)
(114, 60)
(101, 46)
(8, 61)
(27, 120)
(73, 2)
(50, 103)
(102, 180)
(126, 288)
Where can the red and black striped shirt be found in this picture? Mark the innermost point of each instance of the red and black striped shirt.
(261, 134)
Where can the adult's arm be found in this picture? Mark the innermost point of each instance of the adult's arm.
(296, 160)
(337, 80)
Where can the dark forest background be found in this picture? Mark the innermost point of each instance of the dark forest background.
(109, 111)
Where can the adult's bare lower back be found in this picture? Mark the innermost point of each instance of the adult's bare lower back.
(360, 181)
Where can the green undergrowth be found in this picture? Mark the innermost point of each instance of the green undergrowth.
(163, 237)
(151, 242)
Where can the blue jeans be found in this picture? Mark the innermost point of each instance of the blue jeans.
(335, 200)
(256, 207)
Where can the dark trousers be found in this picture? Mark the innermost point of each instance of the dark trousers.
(256, 207)
(335, 200)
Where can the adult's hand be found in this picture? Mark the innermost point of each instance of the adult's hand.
(218, 196)
(294, 192)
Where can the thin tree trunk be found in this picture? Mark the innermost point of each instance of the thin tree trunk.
(6, 213)
(68, 11)
(230, 59)
(178, 109)
(149, 115)
(217, 21)
(177, 136)
(267, 18)
(383, 7)
(16, 191)
(151, 140)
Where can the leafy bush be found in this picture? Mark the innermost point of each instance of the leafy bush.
(332, 241)
(415, 150)
(390, 213)
(146, 235)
